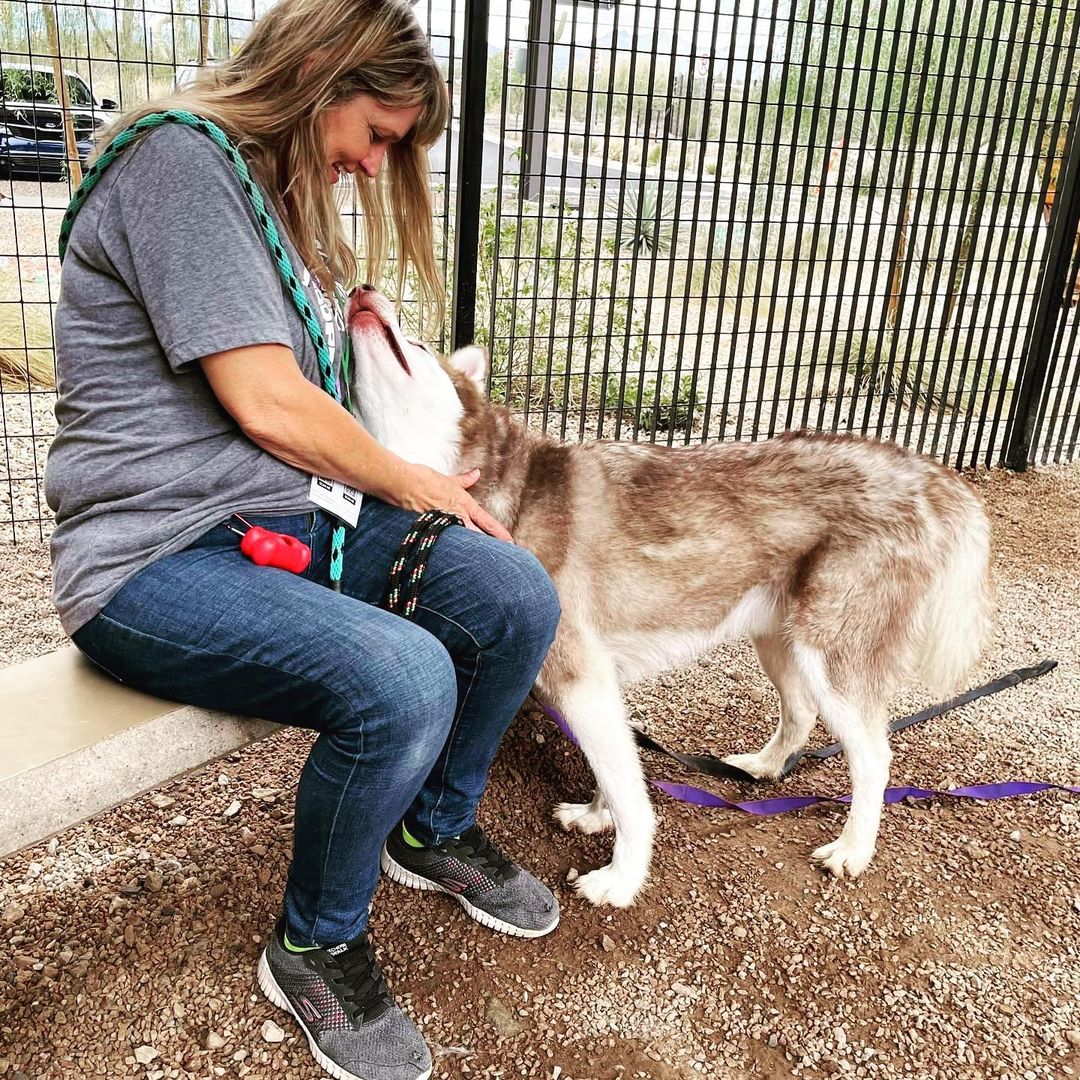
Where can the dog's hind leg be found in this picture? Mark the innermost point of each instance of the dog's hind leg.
(797, 711)
(587, 693)
(862, 730)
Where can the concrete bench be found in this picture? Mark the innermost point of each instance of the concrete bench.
(74, 742)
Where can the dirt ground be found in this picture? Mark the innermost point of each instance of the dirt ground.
(129, 942)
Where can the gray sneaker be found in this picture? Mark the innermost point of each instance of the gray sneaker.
(339, 999)
(479, 877)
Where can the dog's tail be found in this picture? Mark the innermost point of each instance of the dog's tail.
(958, 616)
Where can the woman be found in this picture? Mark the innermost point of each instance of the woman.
(190, 392)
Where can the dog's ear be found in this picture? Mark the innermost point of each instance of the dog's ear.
(472, 362)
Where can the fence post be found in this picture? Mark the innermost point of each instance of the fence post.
(204, 32)
(74, 162)
(1051, 300)
(537, 92)
(470, 170)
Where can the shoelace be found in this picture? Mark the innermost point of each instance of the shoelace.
(481, 850)
(357, 976)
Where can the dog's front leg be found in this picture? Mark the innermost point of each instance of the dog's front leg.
(584, 687)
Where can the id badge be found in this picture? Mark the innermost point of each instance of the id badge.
(336, 498)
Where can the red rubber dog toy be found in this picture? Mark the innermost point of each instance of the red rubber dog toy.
(266, 548)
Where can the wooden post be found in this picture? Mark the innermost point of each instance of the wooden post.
(204, 31)
(73, 162)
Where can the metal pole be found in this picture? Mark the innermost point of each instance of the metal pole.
(537, 92)
(1053, 284)
(470, 168)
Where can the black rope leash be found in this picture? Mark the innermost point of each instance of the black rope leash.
(410, 562)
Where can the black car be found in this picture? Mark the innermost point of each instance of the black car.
(32, 139)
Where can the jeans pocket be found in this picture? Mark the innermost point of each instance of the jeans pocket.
(300, 526)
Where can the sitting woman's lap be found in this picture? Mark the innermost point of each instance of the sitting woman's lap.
(208, 627)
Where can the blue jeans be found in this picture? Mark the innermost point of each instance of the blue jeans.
(409, 714)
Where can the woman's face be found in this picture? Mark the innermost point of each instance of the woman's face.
(357, 132)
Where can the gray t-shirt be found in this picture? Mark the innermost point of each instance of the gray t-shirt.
(166, 264)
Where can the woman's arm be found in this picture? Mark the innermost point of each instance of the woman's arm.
(265, 392)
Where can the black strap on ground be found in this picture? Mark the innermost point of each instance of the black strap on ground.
(410, 562)
(714, 766)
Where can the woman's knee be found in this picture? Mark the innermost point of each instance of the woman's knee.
(525, 598)
(404, 696)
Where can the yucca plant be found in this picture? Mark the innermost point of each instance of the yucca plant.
(899, 364)
(646, 222)
(662, 410)
(25, 342)
(28, 370)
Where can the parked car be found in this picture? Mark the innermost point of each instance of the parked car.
(32, 141)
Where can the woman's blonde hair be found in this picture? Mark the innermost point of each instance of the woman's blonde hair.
(302, 58)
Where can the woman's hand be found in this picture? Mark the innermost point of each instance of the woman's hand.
(431, 490)
(265, 392)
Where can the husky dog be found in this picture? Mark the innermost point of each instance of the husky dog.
(851, 564)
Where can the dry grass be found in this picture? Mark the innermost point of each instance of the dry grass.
(28, 369)
(26, 357)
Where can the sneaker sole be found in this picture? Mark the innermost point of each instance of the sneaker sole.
(396, 872)
(276, 996)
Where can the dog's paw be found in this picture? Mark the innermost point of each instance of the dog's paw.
(609, 886)
(583, 817)
(842, 857)
(757, 765)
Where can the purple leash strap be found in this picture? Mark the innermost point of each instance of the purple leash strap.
(696, 796)
(767, 807)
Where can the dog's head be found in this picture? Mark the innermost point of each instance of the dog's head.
(410, 400)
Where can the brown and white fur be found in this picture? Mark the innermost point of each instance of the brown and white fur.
(851, 564)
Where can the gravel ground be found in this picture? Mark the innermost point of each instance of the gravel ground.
(129, 942)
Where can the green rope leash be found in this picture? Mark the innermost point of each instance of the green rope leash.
(270, 235)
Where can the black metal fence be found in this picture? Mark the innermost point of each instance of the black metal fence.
(717, 221)
(687, 220)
